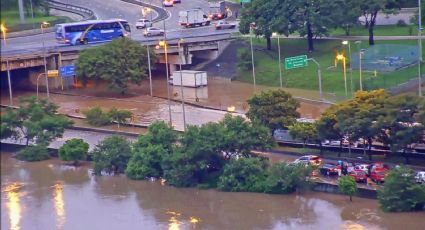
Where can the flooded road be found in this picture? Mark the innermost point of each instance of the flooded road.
(50, 195)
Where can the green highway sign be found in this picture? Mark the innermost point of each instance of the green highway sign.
(245, 1)
(296, 62)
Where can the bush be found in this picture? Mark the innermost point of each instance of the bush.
(286, 178)
(348, 186)
(401, 23)
(146, 162)
(33, 153)
(74, 150)
(400, 192)
(119, 116)
(244, 59)
(243, 175)
(96, 117)
(111, 155)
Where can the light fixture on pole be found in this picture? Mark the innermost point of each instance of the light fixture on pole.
(165, 46)
(3, 32)
(149, 69)
(44, 25)
(252, 27)
(181, 82)
(280, 60)
(342, 58)
(347, 43)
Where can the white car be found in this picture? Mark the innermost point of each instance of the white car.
(309, 160)
(143, 23)
(224, 25)
(363, 167)
(152, 31)
(420, 177)
(168, 3)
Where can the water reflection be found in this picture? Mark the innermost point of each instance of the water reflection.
(59, 204)
(14, 204)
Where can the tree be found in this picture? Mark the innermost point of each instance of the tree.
(146, 162)
(275, 109)
(35, 120)
(402, 122)
(159, 133)
(243, 175)
(119, 116)
(286, 178)
(348, 186)
(33, 153)
(304, 131)
(261, 12)
(119, 63)
(370, 10)
(96, 117)
(74, 150)
(400, 192)
(111, 155)
(347, 15)
(328, 127)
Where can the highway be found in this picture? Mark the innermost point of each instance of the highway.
(119, 9)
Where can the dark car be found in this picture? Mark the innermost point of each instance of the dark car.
(217, 16)
(329, 169)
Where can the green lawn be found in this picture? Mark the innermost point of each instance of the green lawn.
(10, 18)
(267, 69)
(390, 30)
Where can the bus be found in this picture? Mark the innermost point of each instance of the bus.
(91, 31)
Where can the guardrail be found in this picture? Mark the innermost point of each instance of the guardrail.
(87, 14)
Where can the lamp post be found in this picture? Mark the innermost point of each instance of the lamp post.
(280, 61)
(149, 68)
(342, 58)
(319, 76)
(252, 26)
(181, 84)
(347, 43)
(360, 63)
(9, 82)
(165, 45)
(42, 27)
(3, 32)
(420, 48)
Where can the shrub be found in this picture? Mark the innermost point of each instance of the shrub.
(119, 116)
(146, 162)
(96, 117)
(243, 175)
(401, 23)
(33, 153)
(111, 155)
(348, 186)
(400, 192)
(286, 178)
(74, 150)
(244, 59)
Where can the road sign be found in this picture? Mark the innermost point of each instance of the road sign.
(296, 62)
(67, 70)
(52, 73)
(245, 1)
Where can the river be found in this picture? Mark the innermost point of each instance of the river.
(51, 195)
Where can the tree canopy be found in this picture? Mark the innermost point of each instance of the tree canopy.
(348, 186)
(111, 155)
(74, 150)
(275, 109)
(119, 63)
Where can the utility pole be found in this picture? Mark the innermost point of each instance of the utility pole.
(420, 48)
(21, 11)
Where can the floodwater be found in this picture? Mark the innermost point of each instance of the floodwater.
(220, 94)
(50, 195)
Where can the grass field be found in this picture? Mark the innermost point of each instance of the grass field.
(267, 69)
(390, 30)
(10, 18)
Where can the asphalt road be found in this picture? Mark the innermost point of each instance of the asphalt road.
(119, 9)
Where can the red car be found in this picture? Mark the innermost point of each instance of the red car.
(358, 175)
(378, 175)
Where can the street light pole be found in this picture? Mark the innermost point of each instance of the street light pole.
(9, 82)
(43, 25)
(150, 72)
(166, 74)
(319, 76)
(181, 85)
(351, 68)
(252, 27)
(360, 63)
(280, 62)
(420, 48)
(343, 59)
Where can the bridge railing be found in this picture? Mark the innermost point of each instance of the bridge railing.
(86, 13)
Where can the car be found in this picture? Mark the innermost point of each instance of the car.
(153, 31)
(420, 177)
(358, 175)
(363, 167)
(309, 160)
(224, 25)
(217, 16)
(168, 3)
(329, 169)
(378, 175)
(143, 23)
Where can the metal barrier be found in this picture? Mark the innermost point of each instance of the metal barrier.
(87, 14)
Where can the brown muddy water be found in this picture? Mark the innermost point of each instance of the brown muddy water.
(51, 195)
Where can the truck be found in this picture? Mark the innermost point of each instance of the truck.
(193, 17)
(190, 78)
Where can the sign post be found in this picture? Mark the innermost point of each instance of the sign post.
(296, 62)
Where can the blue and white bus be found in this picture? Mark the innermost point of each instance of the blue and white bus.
(92, 31)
